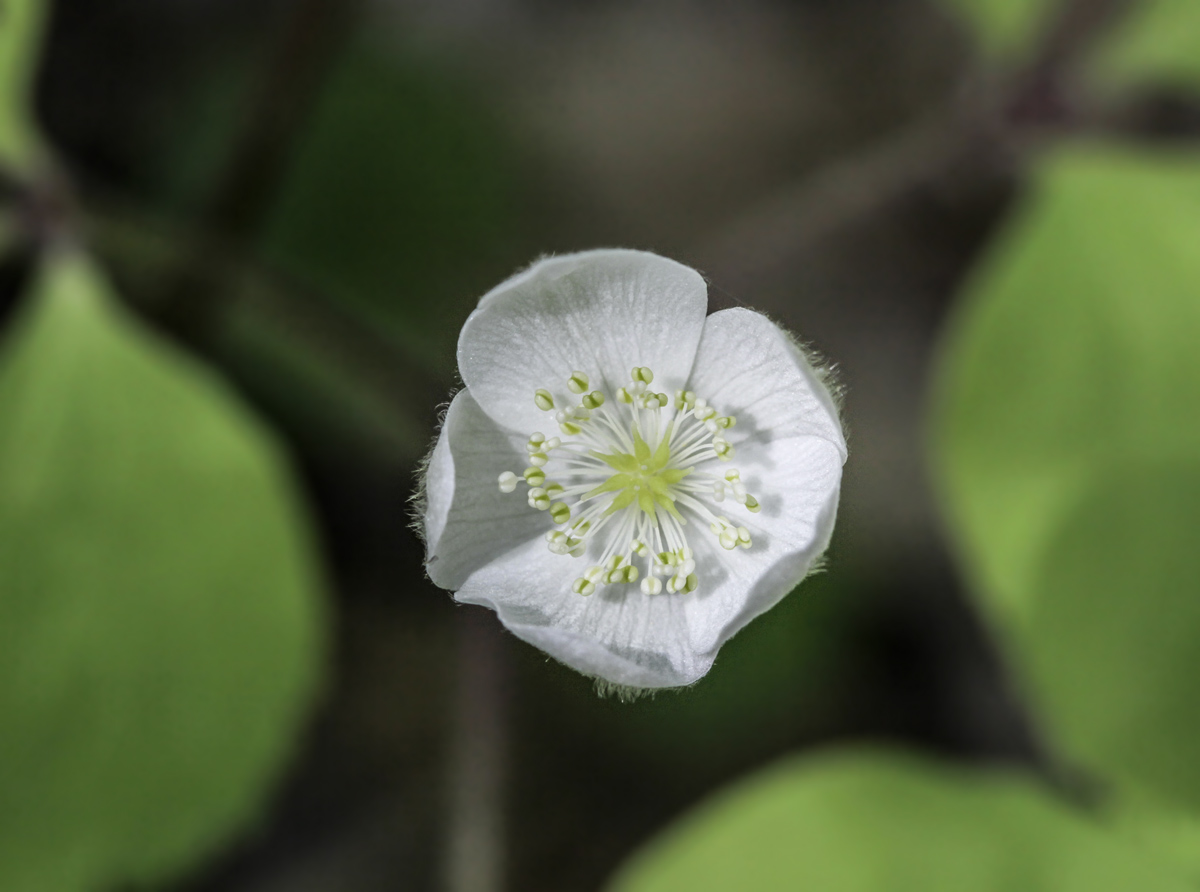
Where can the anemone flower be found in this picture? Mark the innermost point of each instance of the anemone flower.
(678, 472)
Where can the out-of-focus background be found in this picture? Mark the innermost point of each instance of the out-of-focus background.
(277, 216)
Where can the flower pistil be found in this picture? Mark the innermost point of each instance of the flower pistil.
(627, 473)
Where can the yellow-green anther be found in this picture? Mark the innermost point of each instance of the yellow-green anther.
(570, 428)
(581, 526)
(508, 481)
(582, 587)
(624, 395)
(693, 583)
(593, 400)
(578, 382)
(743, 536)
(642, 374)
(535, 442)
(538, 499)
(651, 585)
(723, 449)
(538, 458)
(556, 541)
(726, 421)
(733, 475)
(752, 505)
(663, 400)
(544, 400)
(535, 476)
(553, 490)
(560, 512)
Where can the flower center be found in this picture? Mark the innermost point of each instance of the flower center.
(628, 474)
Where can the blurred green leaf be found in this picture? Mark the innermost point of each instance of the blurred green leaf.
(1170, 833)
(21, 25)
(1004, 27)
(1114, 634)
(1068, 443)
(1159, 43)
(1074, 352)
(877, 822)
(159, 622)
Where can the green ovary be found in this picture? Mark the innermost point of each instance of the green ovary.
(643, 477)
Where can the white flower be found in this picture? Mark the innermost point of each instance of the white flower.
(678, 474)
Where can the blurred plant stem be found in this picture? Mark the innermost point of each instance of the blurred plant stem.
(1074, 30)
(474, 854)
(974, 147)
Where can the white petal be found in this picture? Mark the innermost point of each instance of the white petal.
(599, 312)
(748, 366)
(468, 521)
(618, 633)
(790, 452)
(790, 532)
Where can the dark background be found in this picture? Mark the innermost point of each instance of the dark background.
(313, 194)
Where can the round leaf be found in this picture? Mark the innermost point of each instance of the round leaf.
(159, 625)
(864, 822)
(1068, 435)
(1114, 633)
(1074, 351)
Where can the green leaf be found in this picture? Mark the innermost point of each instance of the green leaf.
(1114, 635)
(1159, 43)
(1171, 834)
(21, 26)
(877, 822)
(1067, 437)
(159, 621)
(1074, 351)
(1004, 27)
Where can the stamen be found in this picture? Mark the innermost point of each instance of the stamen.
(627, 477)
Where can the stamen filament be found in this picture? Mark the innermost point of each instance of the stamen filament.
(622, 481)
